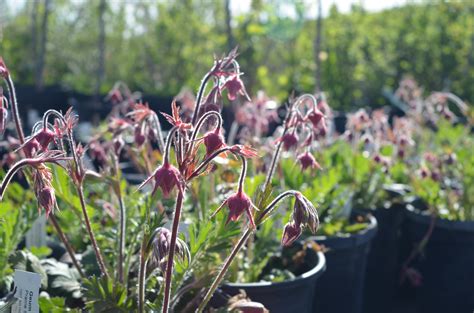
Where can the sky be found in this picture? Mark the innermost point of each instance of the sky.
(241, 6)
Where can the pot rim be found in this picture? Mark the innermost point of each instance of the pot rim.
(313, 273)
(355, 239)
(424, 217)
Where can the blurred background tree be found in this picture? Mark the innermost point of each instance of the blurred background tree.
(160, 47)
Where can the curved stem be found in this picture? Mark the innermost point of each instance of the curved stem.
(166, 153)
(67, 245)
(223, 270)
(200, 94)
(169, 264)
(161, 143)
(15, 111)
(50, 112)
(276, 154)
(243, 173)
(98, 254)
(200, 123)
(273, 204)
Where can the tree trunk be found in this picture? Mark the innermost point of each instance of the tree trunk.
(101, 47)
(228, 20)
(317, 46)
(40, 65)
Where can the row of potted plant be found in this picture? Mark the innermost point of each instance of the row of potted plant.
(218, 213)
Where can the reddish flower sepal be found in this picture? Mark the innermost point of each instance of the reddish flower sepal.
(290, 234)
(44, 138)
(235, 86)
(213, 141)
(289, 140)
(166, 177)
(315, 116)
(308, 161)
(238, 203)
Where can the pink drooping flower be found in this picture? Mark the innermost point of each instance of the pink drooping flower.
(166, 177)
(44, 138)
(213, 141)
(307, 160)
(238, 203)
(289, 140)
(31, 147)
(235, 86)
(315, 116)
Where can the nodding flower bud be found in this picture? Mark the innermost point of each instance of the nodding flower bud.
(289, 140)
(44, 138)
(139, 136)
(213, 141)
(304, 213)
(46, 199)
(315, 116)
(291, 232)
(235, 86)
(166, 177)
(31, 147)
(238, 203)
(160, 246)
(308, 161)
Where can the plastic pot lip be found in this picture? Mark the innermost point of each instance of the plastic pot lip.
(425, 218)
(351, 240)
(314, 273)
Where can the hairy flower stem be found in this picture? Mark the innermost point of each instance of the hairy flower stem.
(238, 246)
(199, 96)
(276, 154)
(79, 173)
(141, 278)
(224, 269)
(243, 173)
(15, 111)
(67, 245)
(169, 264)
(123, 218)
(98, 254)
(161, 143)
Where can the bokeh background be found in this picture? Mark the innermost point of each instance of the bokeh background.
(161, 47)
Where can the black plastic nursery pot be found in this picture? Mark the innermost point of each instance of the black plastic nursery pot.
(383, 268)
(341, 288)
(446, 265)
(291, 296)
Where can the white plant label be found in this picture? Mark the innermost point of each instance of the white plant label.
(27, 292)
